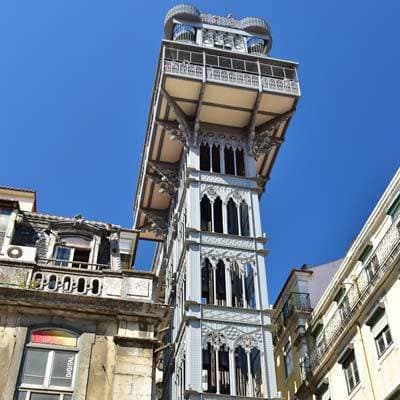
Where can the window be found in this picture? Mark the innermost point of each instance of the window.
(220, 283)
(394, 209)
(288, 359)
(237, 286)
(207, 283)
(218, 221)
(350, 370)
(4, 217)
(73, 251)
(240, 162)
(249, 287)
(372, 268)
(344, 307)
(205, 214)
(216, 162)
(209, 370)
(232, 212)
(49, 365)
(383, 340)
(255, 367)
(223, 370)
(229, 161)
(244, 219)
(205, 157)
(241, 372)
(380, 329)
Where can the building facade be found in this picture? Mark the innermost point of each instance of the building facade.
(352, 334)
(219, 113)
(76, 322)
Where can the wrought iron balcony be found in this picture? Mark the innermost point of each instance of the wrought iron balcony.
(295, 302)
(375, 269)
(265, 75)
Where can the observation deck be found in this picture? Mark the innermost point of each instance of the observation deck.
(200, 88)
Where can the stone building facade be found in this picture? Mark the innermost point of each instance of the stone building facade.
(76, 322)
(346, 345)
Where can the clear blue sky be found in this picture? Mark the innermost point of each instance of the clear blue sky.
(75, 82)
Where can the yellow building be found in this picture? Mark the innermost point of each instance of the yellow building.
(346, 345)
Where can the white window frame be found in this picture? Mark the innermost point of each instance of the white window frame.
(384, 334)
(351, 370)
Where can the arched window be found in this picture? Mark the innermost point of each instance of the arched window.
(223, 370)
(220, 284)
(237, 285)
(218, 222)
(49, 365)
(244, 219)
(249, 287)
(255, 368)
(216, 162)
(229, 161)
(205, 157)
(207, 283)
(233, 227)
(209, 369)
(241, 372)
(205, 214)
(240, 168)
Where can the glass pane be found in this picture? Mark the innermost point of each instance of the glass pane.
(44, 396)
(35, 366)
(63, 368)
(21, 396)
(4, 217)
(67, 397)
(62, 253)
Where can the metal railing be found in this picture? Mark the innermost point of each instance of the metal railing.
(236, 71)
(295, 302)
(378, 264)
(79, 265)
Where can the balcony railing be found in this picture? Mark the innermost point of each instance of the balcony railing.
(67, 264)
(261, 74)
(379, 263)
(295, 302)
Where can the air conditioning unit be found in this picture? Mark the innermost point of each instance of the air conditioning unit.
(19, 253)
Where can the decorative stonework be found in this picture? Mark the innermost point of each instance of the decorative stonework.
(223, 140)
(225, 193)
(227, 241)
(240, 256)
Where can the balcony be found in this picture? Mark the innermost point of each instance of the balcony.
(261, 74)
(296, 302)
(378, 266)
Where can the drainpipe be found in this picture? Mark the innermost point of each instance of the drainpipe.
(366, 361)
(355, 282)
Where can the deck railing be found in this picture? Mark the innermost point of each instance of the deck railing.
(378, 264)
(262, 74)
(67, 264)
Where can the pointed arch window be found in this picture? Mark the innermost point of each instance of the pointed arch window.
(207, 283)
(205, 214)
(209, 369)
(244, 219)
(241, 372)
(218, 221)
(249, 287)
(229, 161)
(223, 370)
(220, 283)
(240, 165)
(236, 285)
(205, 157)
(216, 158)
(255, 368)
(232, 212)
